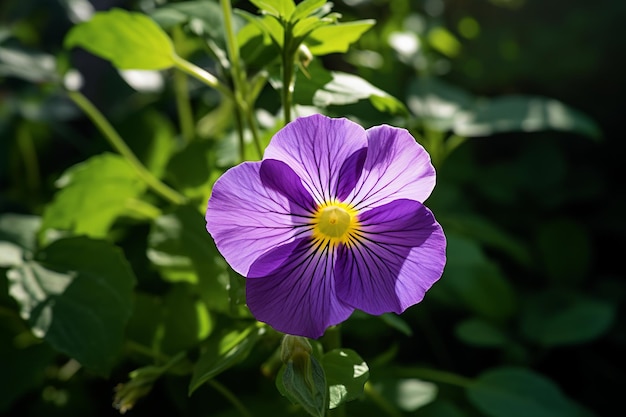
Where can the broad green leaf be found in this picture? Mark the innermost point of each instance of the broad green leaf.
(338, 37)
(223, 351)
(282, 9)
(475, 282)
(94, 193)
(182, 249)
(338, 88)
(555, 319)
(77, 295)
(518, 392)
(18, 241)
(129, 40)
(523, 114)
(305, 386)
(346, 375)
(170, 323)
(477, 332)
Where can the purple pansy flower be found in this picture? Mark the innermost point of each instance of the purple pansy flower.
(331, 220)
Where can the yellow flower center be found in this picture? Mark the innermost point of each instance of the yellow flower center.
(335, 223)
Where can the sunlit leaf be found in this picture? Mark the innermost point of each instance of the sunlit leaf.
(94, 193)
(519, 392)
(408, 394)
(523, 114)
(77, 295)
(346, 374)
(282, 9)
(305, 8)
(338, 37)
(444, 41)
(129, 40)
(27, 65)
(17, 238)
(223, 351)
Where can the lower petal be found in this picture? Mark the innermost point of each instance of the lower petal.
(399, 255)
(292, 288)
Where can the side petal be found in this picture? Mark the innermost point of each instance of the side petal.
(292, 288)
(400, 254)
(316, 148)
(396, 167)
(247, 219)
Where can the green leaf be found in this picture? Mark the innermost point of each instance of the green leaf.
(346, 375)
(94, 193)
(477, 332)
(77, 295)
(182, 250)
(556, 319)
(518, 392)
(338, 88)
(523, 114)
(129, 40)
(338, 37)
(282, 9)
(444, 41)
(223, 351)
(171, 323)
(392, 320)
(305, 386)
(18, 241)
(190, 169)
(305, 8)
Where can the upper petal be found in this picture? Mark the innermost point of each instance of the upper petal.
(292, 288)
(400, 254)
(247, 218)
(316, 148)
(396, 167)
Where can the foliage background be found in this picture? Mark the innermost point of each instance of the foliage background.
(535, 218)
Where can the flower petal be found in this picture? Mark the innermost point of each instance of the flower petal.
(396, 167)
(278, 176)
(247, 219)
(316, 148)
(292, 288)
(399, 256)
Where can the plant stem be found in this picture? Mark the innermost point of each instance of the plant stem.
(202, 75)
(181, 91)
(116, 141)
(255, 133)
(230, 397)
(288, 72)
(29, 156)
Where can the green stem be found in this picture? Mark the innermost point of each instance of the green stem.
(116, 141)
(181, 91)
(240, 132)
(435, 376)
(230, 397)
(202, 75)
(288, 73)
